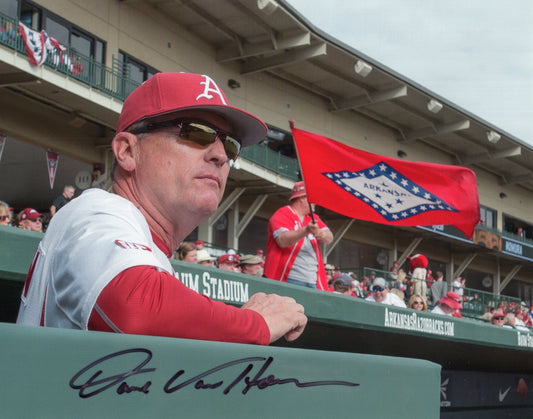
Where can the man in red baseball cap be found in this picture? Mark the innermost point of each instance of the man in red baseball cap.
(30, 219)
(107, 253)
(229, 262)
(293, 243)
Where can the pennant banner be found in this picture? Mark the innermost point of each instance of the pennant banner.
(52, 160)
(385, 190)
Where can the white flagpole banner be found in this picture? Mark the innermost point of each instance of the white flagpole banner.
(52, 161)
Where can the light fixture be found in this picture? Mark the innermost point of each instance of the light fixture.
(434, 106)
(401, 154)
(362, 68)
(503, 195)
(493, 137)
(234, 84)
(267, 6)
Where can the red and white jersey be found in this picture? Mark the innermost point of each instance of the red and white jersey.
(87, 244)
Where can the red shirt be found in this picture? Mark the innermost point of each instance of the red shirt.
(142, 300)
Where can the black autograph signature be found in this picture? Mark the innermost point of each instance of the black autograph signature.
(91, 380)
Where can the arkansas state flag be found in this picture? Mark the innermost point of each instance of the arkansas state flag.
(384, 190)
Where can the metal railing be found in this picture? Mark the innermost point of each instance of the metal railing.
(114, 83)
(263, 156)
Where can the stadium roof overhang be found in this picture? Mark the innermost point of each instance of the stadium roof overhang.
(266, 36)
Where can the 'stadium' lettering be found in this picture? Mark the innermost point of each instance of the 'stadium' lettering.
(216, 288)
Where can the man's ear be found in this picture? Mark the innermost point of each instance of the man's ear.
(124, 146)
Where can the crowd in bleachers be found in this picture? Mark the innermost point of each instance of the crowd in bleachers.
(395, 287)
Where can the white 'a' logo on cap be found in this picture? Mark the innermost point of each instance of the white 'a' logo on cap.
(211, 87)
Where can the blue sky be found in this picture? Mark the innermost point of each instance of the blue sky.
(476, 53)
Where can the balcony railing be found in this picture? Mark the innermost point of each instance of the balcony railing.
(263, 156)
(111, 82)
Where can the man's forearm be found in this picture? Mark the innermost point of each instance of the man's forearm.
(290, 238)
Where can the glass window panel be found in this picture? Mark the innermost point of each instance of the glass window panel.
(9, 8)
(57, 31)
(80, 44)
(99, 52)
(136, 72)
(30, 16)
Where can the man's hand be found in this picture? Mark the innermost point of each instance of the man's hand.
(283, 315)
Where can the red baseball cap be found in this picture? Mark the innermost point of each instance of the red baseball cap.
(167, 93)
(30, 214)
(298, 190)
(227, 258)
(451, 299)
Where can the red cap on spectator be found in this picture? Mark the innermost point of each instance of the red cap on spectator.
(199, 242)
(166, 93)
(451, 299)
(227, 258)
(298, 190)
(30, 214)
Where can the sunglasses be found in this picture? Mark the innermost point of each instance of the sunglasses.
(418, 302)
(499, 318)
(35, 220)
(376, 289)
(4, 217)
(198, 132)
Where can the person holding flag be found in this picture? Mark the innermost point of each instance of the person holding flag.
(293, 244)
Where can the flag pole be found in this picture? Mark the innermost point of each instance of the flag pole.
(291, 125)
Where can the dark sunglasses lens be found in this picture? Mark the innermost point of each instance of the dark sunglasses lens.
(376, 289)
(204, 135)
(198, 133)
(232, 147)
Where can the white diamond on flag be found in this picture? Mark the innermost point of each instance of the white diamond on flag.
(388, 192)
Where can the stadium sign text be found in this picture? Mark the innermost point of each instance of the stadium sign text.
(215, 288)
(417, 323)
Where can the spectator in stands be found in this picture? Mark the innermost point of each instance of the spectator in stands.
(229, 262)
(5, 214)
(30, 219)
(368, 281)
(251, 265)
(293, 243)
(394, 270)
(417, 302)
(7, 32)
(458, 285)
(97, 180)
(204, 258)
(399, 293)
(187, 252)
(401, 283)
(448, 304)
(357, 289)
(329, 274)
(438, 289)
(512, 322)
(199, 244)
(343, 284)
(381, 294)
(498, 318)
(62, 200)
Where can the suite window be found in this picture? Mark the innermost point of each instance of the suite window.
(134, 69)
(487, 217)
(9, 8)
